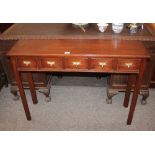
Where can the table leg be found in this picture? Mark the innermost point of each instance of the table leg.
(128, 90)
(136, 92)
(21, 90)
(32, 88)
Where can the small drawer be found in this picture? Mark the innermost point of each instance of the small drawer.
(104, 64)
(55, 63)
(27, 62)
(76, 63)
(128, 64)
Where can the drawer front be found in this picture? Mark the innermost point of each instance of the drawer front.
(103, 64)
(27, 62)
(51, 63)
(128, 64)
(76, 63)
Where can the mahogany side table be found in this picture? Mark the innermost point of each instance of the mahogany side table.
(79, 55)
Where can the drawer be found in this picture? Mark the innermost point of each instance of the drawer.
(55, 63)
(128, 64)
(76, 63)
(27, 62)
(104, 64)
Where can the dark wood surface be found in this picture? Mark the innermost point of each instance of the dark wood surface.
(108, 48)
(125, 56)
(68, 31)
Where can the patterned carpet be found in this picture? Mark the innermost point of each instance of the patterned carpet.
(78, 103)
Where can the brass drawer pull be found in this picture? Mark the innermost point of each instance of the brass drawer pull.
(129, 65)
(27, 63)
(102, 64)
(76, 63)
(51, 63)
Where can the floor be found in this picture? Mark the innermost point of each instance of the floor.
(78, 103)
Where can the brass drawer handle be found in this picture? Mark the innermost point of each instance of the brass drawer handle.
(51, 63)
(27, 63)
(129, 65)
(76, 63)
(102, 64)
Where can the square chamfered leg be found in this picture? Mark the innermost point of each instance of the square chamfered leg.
(128, 90)
(21, 89)
(32, 87)
(136, 91)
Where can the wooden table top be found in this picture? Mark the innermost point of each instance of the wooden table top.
(79, 47)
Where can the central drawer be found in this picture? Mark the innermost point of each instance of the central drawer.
(76, 63)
